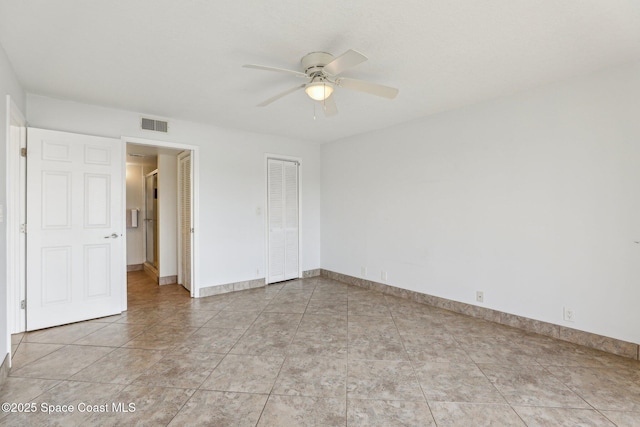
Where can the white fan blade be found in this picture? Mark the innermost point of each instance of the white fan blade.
(280, 70)
(349, 59)
(368, 87)
(275, 98)
(329, 106)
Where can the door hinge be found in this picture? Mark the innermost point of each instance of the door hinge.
(23, 304)
(23, 152)
(23, 228)
(192, 230)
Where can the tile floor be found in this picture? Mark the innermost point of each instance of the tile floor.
(310, 352)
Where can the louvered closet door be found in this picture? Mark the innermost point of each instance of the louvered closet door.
(283, 220)
(185, 219)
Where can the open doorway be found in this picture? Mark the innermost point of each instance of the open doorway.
(159, 210)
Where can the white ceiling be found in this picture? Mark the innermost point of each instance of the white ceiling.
(182, 58)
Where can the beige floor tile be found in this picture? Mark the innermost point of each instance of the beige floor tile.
(107, 319)
(23, 390)
(62, 363)
(180, 369)
(474, 414)
(561, 417)
(372, 322)
(16, 338)
(121, 366)
(299, 285)
(189, 319)
(151, 406)
(323, 322)
(303, 411)
(161, 337)
(67, 394)
(382, 380)
(264, 342)
(211, 340)
(324, 343)
(215, 408)
(491, 350)
(454, 382)
(246, 305)
(623, 419)
(531, 385)
(245, 374)
(66, 334)
(327, 306)
(312, 376)
(409, 323)
(277, 322)
(388, 413)
(368, 308)
(29, 352)
(433, 348)
(380, 345)
(460, 325)
(286, 307)
(603, 388)
(112, 335)
(233, 320)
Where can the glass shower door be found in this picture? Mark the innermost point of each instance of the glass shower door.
(151, 218)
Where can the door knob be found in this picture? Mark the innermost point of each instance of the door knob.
(113, 236)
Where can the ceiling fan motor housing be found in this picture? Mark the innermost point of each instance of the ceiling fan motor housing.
(314, 62)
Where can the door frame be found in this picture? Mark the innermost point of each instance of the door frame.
(195, 202)
(15, 216)
(267, 157)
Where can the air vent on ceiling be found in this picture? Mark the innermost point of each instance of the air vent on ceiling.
(155, 125)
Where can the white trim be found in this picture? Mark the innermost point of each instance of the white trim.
(14, 216)
(123, 242)
(195, 202)
(273, 156)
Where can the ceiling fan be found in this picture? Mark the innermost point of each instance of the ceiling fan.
(321, 70)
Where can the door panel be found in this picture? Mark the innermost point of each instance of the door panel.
(74, 217)
(184, 163)
(283, 209)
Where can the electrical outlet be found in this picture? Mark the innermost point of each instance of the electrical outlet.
(383, 276)
(569, 314)
(479, 296)
(363, 271)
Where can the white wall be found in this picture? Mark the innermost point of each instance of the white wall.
(232, 183)
(9, 85)
(533, 199)
(167, 215)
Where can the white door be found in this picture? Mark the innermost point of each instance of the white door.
(184, 200)
(75, 247)
(282, 209)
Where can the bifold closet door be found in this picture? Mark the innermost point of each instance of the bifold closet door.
(184, 171)
(283, 220)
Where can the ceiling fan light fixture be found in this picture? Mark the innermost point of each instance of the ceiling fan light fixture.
(319, 91)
